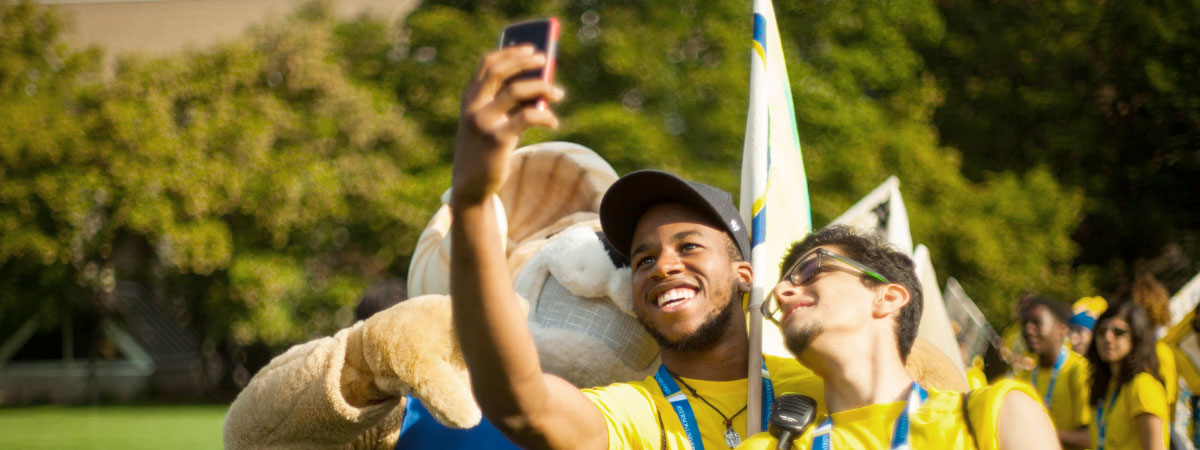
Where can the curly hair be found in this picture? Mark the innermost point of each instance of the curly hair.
(1153, 296)
(876, 254)
(1141, 357)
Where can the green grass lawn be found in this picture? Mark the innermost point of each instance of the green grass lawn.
(112, 427)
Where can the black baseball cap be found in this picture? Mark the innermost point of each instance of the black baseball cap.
(635, 193)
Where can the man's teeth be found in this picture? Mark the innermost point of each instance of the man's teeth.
(675, 294)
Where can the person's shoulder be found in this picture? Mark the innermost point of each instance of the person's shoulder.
(1146, 381)
(1003, 387)
(788, 375)
(624, 392)
(984, 403)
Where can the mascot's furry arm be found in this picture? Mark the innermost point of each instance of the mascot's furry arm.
(347, 391)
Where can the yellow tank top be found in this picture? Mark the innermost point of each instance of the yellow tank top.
(939, 423)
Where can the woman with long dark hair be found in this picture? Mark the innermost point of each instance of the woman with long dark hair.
(1127, 394)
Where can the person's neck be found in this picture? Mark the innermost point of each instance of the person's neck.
(725, 361)
(859, 373)
(1047, 358)
(1115, 368)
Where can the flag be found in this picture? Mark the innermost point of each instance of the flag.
(882, 211)
(774, 192)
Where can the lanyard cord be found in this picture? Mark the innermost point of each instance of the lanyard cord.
(1058, 363)
(728, 420)
(1100, 424)
(916, 396)
(687, 418)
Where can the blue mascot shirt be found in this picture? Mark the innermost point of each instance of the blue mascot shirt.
(421, 431)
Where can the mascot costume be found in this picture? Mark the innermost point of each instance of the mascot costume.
(398, 380)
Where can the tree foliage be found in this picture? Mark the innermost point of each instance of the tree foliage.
(251, 182)
(1104, 96)
(263, 182)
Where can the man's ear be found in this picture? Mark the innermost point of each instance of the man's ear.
(892, 297)
(745, 276)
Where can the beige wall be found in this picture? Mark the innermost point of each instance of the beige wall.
(156, 26)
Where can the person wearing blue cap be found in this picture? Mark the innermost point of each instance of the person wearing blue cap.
(1083, 321)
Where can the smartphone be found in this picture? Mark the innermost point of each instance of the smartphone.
(543, 34)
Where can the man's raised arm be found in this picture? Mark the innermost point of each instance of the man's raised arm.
(531, 408)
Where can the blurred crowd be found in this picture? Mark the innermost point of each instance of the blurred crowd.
(1110, 370)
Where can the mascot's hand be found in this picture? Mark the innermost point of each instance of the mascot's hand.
(411, 348)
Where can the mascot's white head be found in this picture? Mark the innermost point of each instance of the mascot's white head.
(578, 288)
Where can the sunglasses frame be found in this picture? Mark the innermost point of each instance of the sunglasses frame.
(765, 308)
(1117, 332)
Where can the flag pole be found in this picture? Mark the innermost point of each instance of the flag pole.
(772, 145)
(754, 174)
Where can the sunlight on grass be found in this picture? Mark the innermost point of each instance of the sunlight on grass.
(112, 427)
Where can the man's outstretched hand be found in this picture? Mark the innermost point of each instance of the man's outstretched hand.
(496, 108)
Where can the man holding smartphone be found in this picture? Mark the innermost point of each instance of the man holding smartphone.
(687, 246)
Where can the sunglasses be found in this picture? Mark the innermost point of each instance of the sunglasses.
(1116, 331)
(803, 271)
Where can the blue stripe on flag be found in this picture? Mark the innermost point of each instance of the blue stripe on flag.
(759, 226)
(760, 30)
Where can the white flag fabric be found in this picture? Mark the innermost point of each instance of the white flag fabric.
(935, 324)
(774, 191)
(883, 211)
(1185, 300)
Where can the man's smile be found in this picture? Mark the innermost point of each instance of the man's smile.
(790, 308)
(675, 296)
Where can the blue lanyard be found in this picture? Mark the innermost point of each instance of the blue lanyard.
(916, 396)
(1100, 425)
(683, 409)
(1058, 363)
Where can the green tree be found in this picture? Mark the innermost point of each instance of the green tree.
(260, 184)
(251, 183)
(1105, 96)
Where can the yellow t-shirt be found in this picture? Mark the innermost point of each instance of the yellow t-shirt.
(1068, 407)
(1168, 371)
(938, 424)
(633, 410)
(1144, 394)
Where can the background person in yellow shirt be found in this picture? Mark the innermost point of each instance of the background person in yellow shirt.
(1126, 393)
(1060, 376)
(849, 306)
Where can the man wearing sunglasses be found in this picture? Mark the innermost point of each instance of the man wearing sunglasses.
(848, 306)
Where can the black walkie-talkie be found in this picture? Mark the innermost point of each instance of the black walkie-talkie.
(791, 415)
